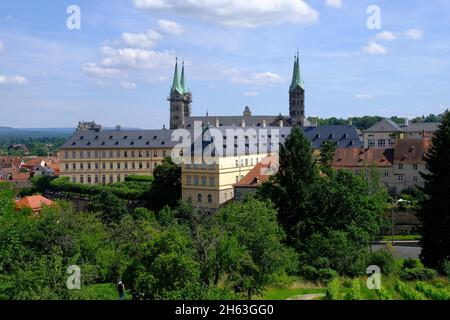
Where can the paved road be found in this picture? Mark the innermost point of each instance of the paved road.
(402, 252)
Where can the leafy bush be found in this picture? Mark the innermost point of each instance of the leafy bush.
(418, 274)
(432, 292)
(383, 294)
(446, 268)
(382, 259)
(411, 264)
(407, 292)
(355, 291)
(332, 291)
(326, 275)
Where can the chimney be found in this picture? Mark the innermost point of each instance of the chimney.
(217, 123)
(350, 121)
(281, 123)
(406, 122)
(243, 123)
(118, 127)
(264, 123)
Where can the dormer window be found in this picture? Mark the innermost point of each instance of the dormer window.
(125, 138)
(117, 143)
(110, 137)
(155, 137)
(140, 138)
(74, 143)
(132, 143)
(82, 137)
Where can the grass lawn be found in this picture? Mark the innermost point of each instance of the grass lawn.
(105, 291)
(408, 237)
(296, 287)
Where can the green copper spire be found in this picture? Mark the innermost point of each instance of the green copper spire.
(183, 81)
(176, 86)
(296, 76)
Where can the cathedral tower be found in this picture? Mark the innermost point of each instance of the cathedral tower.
(180, 100)
(297, 96)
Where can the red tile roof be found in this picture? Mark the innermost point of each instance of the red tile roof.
(21, 176)
(33, 202)
(360, 157)
(260, 173)
(411, 151)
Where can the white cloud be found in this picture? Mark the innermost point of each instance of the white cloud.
(251, 93)
(415, 34)
(129, 58)
(363, 96)
(2, 47)
(142, 40)
(93, 69)
(128, 85)
(235, 76)
(238, 13)
(374, 49)
(170, 27)
(385, 36)
(13, 80)
(334, 3)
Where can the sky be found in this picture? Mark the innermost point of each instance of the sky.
(117, 68)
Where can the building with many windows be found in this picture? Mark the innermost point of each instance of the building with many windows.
(96, 156)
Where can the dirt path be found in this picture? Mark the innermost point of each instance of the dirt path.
(315, 296)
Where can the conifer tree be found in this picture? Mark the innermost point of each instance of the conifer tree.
(435, 208)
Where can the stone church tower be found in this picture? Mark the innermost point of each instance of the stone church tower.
(180, 100)
(297, 96)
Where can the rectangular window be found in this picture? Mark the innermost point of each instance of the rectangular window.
(81, 179)
(81, 154)
(74, 155)
(212, 181)
(164, 153)
(415, 166)
(67, 166)
(74, 166)
(391, 143)
(196, 180)
(400, 166)
(89, 179)
(96, 178)
(155, 154)
(133, 165)
(381, 143)
(104, 166)
(147, 154)
(81, 166)
(111, 166)
(118, 165)
(371, 143)
(400, 178)
(74, 179)
(118, 178)
(103, 179)
(188, 180)
(209, 198)
(140, 165)
(89, 166)
(126, 165)
(111, 179)
(415, 179)
(96, 166)
(204, 180)
(118, 154)
(111, 154)
(66, 154)
(386, 173)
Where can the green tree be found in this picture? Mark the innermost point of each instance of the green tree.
(327, 150)
(110, 207)
(166, 188)
(435, 207)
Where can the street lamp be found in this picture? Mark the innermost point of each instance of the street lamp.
(396, 203)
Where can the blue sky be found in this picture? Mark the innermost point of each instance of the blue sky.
(118, 68)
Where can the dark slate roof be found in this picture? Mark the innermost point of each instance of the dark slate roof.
(226, 121)
(120, 139)
(244, 142)
(422, 126)
(345, 136)
(385, 125)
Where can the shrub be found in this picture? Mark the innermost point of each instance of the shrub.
(326, 275)
(384, 295)
(355, 291)
(309, 273)
(432, 292)
(446, 268)
(407, 292)
(332, 291)
(382, 259)
(418, 274)
(411, 264)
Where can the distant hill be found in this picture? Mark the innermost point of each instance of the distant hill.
(8, 132)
